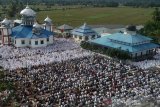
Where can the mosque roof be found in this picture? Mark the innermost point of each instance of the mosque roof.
(28, 12)
(83, 30)
(26, 32)
(129, 38)
(47, 19)
(104, 41)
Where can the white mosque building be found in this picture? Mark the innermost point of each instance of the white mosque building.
(29, 33)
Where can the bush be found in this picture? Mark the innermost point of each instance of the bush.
(107, 51)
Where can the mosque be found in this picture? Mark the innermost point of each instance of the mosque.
(136, 45)
(29, 33)
(84, 33)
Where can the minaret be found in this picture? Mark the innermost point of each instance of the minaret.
(28, 16)
(6, 31)
(48, 24)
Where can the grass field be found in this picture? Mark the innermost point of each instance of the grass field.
(98, 16)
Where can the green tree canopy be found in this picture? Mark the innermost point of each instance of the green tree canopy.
(156, 15)
(15, 7)
(152, 27)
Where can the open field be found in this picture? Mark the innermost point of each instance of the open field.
(98, 16)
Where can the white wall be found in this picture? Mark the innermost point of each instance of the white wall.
(39, 42)
(9, 31)
(50, 40)
(5, 32)
(19, 44)
(5, 39)
(47, 27)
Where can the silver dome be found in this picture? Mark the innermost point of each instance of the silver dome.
(28, 12)
(6, 22)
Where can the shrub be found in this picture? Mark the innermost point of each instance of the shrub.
(106, 50)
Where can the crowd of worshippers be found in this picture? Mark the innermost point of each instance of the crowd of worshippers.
(155, 61)
(62, 49)
(60, 44)
(92, 81)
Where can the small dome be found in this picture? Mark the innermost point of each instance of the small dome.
(37, 26)
(28, 11)
(6, 22)
(48, 20)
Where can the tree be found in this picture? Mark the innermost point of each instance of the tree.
(152, 27)
(4, 8)
(15, 7)
(12, 8)
(156, 15)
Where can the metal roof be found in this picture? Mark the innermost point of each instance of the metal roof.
(26, 32)
(84, 30)
(129, 38)
(28, 11)
(48, 20)
(104, 41)
(102, 30)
